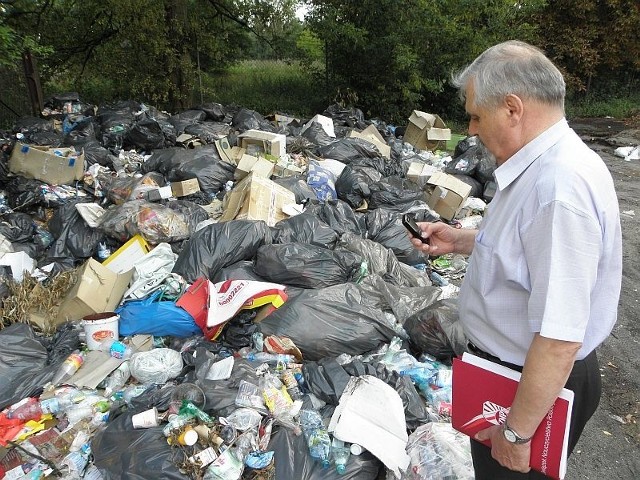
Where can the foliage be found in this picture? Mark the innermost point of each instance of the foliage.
(398, 57)
(591, 39)
(267, 86)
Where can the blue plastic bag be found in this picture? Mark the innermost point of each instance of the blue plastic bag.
(159, 318)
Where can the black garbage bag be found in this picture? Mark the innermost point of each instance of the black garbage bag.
(79, 130)
(120, 451)
(115, 121)
(221, 394)
(465, 164)
(304, 228)
(219, 245)
(17, 227)
(316, 134)
(394, 193)
(347, 150)
(339, 216)
(464, 145)
(326, 379)
(29, 360)
(145, 134)
(298, 186)
(386, 227)
(352, 185)
(292, 460)
(306, 266)
(350, 117)
(31, 125)
(383, 262)
(242, 270)
(23, 193)
(484, 170)
(156, 223)
(74, 238)
(330, 321)
(214, 111)
(182, 120)
(436, 331)
(245, 119)
(50, 139)
(206, 165)
(238, 331)
(94, 153)
(165, 159)
(208, 132)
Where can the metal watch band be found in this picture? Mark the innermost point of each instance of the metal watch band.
(512, 436)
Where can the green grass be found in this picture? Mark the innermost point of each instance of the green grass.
(620, 107)
(267, 86)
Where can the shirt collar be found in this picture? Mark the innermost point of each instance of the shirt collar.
(513, 167)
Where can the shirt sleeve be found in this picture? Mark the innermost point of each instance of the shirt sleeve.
(562, 250)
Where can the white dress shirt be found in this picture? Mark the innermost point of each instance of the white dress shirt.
(548, 254)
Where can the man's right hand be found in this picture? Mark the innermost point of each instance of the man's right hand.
(444, 239)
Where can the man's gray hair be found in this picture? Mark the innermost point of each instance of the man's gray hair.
(512, 67)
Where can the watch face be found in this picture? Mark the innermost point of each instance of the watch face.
(510, 436)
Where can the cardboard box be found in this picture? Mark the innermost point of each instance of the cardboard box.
(188, 141)
(185, 187)
(225, 150)
(371, 134)
(248, 163)
(426, 131)
(420, 172)
(257, 198)
(41, 163)
(257, 141)
(97, 290)
(448, 194)
(286, 168)
(123, 259)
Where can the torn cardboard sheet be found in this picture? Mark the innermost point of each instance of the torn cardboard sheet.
(370, 414)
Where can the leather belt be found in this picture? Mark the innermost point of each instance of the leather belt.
(478, 352)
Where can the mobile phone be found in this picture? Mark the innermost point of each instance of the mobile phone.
(411, 225)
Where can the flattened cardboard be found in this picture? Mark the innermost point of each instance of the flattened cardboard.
(426, 131)
(42, 164)
(97, 290)
(371, 134)
(257, 198)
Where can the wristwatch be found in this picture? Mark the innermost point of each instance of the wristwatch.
(512, 436)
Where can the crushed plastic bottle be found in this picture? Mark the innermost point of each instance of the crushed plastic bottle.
(117, 379)
(317, 437)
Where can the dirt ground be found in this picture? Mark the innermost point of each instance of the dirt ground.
(610, 445)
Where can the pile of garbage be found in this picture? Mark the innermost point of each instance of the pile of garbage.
(217, 294)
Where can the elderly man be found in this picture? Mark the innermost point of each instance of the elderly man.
(543, 282)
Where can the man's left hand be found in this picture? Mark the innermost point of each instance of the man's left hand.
(510, 455)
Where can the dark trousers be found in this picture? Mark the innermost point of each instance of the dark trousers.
(585, 383)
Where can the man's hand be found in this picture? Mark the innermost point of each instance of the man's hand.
(444, 239)
(510, 455)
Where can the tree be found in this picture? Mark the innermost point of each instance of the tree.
(399, 56)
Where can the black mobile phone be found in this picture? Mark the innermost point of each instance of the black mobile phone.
(411, 225)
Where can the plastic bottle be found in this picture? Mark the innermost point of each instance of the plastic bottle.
(68, 368)
(317, 437)
(394, 347)
(32, 409)
(340, 455)
(78, 412)
(116, 349)
(117, 379)
(266, 357)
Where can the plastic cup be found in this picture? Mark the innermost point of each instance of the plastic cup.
(147, 419)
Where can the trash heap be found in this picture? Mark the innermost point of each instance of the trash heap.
(216, 294)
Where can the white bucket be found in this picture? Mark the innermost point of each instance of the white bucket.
(99, 327)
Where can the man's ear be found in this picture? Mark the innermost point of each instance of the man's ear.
(515, 108)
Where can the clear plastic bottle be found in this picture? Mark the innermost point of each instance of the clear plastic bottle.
(317, 437)
(340, 454)
(31, 409)
(70, 366)
(117, 379)
(266, 357)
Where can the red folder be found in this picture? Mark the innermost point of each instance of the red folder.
(482, 393)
